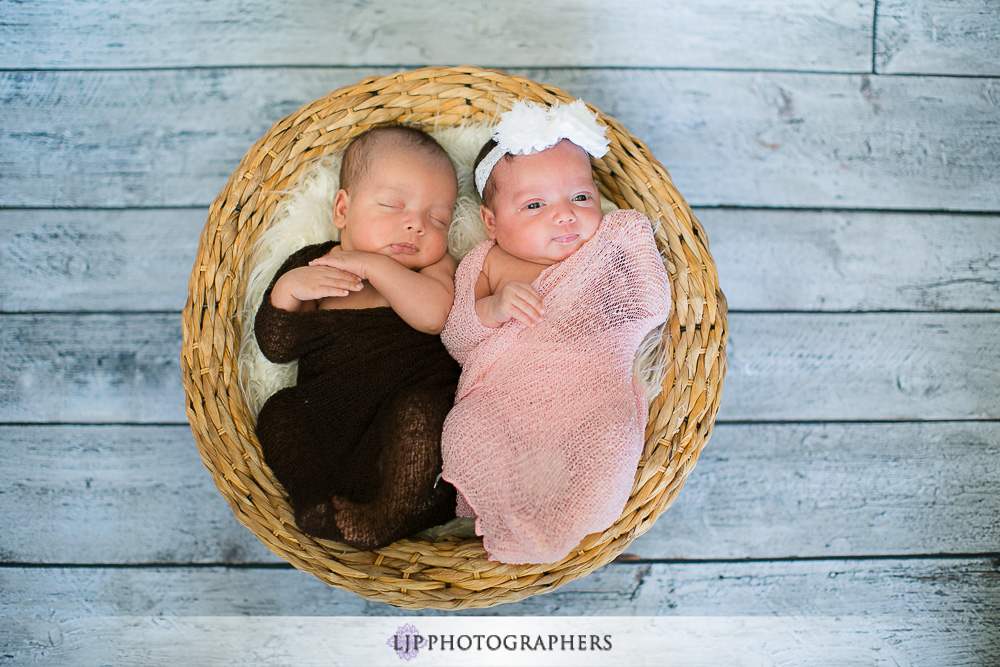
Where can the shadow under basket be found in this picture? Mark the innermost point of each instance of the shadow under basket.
(449, 572)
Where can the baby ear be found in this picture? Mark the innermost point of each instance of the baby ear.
(489, 221)
(340, 205)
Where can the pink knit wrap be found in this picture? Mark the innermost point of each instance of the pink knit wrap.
(547, 428)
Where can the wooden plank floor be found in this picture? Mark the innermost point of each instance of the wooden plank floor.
(844, 158)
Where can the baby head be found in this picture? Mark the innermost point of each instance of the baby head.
(397, 193)
(543, 206)
(540, 202)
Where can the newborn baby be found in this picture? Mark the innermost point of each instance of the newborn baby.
(547, 429)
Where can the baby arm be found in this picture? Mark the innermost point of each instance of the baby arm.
(299, 289)
(421, 298)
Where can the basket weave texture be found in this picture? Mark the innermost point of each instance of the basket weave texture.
(447, 573)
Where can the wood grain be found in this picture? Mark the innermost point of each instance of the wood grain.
(114, 494)
(855, 261)
(172, 138)
(807, 490)
(892, 612)
(774, 260)
(876, 366)
(938, 37)
(119, 122)
(793, 140)
(91, 368)
(99, 368)
(104, 260)
(128, 494)
(825, 35)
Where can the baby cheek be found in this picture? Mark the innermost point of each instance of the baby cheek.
(439, 244)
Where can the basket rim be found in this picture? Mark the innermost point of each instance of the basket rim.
(447, 573)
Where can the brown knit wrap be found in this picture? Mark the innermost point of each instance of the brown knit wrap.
(357, 441)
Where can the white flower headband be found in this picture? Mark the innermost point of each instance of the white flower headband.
(531, 127)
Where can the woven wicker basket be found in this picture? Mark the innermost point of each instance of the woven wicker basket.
(448, 573)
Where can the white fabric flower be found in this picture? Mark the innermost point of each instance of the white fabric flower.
(529, 127)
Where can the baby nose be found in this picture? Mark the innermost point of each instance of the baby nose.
(414, 223)
(564, 214)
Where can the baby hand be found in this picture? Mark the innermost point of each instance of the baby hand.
(309, 283)
(517, 301)
(351, 261)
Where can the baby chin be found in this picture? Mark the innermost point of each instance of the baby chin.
(565, 245)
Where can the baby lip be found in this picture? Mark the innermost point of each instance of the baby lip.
(566, 238)
(404, 248)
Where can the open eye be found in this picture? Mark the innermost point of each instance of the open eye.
(582, 197)
(533, 205)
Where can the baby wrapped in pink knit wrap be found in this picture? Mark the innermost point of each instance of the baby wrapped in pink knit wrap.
(547, 428)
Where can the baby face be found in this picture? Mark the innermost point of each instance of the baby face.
(402, 208)
(546, 204)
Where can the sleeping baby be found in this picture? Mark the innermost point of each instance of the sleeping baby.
(356, 442)
(547, 428)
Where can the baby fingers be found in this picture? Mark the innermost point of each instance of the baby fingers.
(519, 301)
(348, 261)
(526, 311)
(340, 283)
(325, 260)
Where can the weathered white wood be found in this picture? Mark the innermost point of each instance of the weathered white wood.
(810, 140)
(125, 494)
(823, 260)
(869, 587)
(140, 259)
(110, 260)
(825, 35)
(93, 368)
(862, 367)
(172, 138)
(119, 494)
(804, 490)
(167, 138)
(141, 138)
(900, 612)
(803, 367)
(938, 37)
